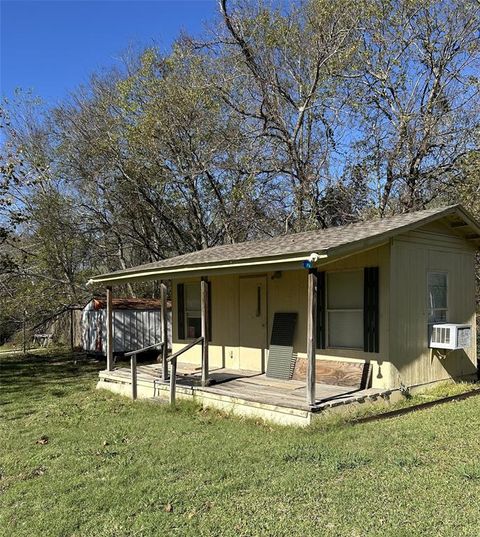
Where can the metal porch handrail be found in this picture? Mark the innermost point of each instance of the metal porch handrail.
(184, 349)
(173, 372)
(138, 351)
(133, 364)
(172, 359)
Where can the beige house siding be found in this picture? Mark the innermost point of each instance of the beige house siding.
(252, 281)
(284, 293)
(404, 356)
(224, 347)
(413, 255)
(376, 257)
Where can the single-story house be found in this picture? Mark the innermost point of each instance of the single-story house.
(350, 306)
(136, 323)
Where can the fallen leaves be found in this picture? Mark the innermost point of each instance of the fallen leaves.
(203, 509)
(36, 472)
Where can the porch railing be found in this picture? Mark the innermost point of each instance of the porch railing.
(173, 370)
(172, 359)
(133, 364)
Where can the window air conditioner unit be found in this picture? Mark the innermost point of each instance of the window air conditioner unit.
(450, 336)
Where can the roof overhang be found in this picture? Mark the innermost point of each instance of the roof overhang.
(240, 266)
(458, 219)
(465, 225)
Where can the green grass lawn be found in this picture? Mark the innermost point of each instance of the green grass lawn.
(79, 462)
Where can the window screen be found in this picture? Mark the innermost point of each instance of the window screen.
(193, 317)
(345, 309)
(437, 297)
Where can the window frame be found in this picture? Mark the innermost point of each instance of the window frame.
(429, 308)
(328, 310)
(186, 311)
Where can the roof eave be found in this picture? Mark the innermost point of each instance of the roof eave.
(469, 218)
(279, 262)
(205, 269)
(382, 238)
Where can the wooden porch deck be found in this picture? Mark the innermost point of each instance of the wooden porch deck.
(239, 386)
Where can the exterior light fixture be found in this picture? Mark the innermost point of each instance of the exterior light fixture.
(310, 262)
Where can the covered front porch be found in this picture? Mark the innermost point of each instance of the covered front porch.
(254, 341)
(242, 392)
(299, 333)
(252, 338)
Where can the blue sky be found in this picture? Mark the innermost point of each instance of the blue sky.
(50, 47)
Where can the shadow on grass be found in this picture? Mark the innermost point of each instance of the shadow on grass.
(33, 375)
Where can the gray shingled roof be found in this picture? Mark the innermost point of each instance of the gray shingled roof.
(324, 241)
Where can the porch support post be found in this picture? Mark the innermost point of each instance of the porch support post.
(311, 335)
(173, 382)
(133, 371)
(205, 329)
(164, 323)
(109, 330)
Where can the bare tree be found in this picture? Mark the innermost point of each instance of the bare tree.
(282, 75)
(418, 98)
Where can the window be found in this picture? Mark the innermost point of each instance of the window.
(437, 297)
(193, 316)
(345, 291)
(189, 316)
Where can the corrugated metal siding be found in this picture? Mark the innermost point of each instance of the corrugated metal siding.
(132, 330)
